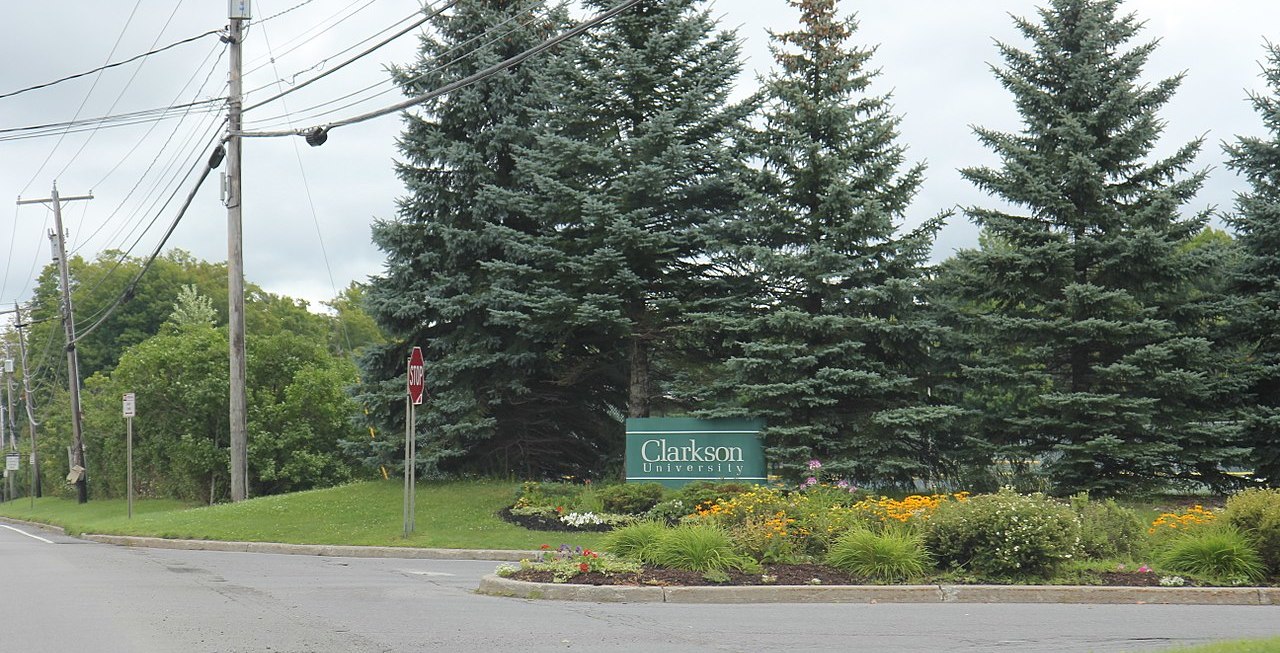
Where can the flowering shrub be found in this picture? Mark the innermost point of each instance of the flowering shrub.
(566, 562)
(1189, 518)
(582, 519)
(913, 509)
(1003, 535)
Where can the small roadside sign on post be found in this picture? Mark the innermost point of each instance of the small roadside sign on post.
(130, 409)
(417, 388)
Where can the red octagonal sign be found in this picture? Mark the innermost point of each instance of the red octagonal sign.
(417, 377)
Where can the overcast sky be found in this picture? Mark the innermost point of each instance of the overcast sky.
(307, 211)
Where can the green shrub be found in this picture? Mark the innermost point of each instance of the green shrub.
(700, 547)
(1221, 553)
(705, 493)
(1256, 513)
(1003, 535)
(636, 542)
(669, 512)
(893, 555)
(1108, 529)
(535, 493)
(630, 498)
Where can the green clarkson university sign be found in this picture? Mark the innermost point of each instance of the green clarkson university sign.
(674, 451)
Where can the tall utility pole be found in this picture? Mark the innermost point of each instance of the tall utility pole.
(36, 490)
(77, 474)
(13, 421)
(239, 15)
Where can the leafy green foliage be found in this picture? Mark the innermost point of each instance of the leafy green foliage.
(1107, 529)
(828, 337)
(506, 398)
(1256, 513)
(1003, 535)
(637, 541)
(704, 493)
(1089, 334)
(1219, 553)
(1255, 280)
(630, 498)
(890, 556)
(699, 547)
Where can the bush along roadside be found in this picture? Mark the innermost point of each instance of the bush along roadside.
(831, 533)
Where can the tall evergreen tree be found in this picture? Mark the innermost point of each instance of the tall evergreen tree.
(1257, 278)
(831, 345)
(1091, 346)
(635, 165)
(492, 405)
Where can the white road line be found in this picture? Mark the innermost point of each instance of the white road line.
(34, 537)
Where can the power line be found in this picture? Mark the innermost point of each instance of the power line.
(366, 52)
(117, 120)
(215, 159)
(459, 47)
(551, 42)
(108, 66)
(306, 36)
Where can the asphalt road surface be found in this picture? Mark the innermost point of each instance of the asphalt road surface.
(64, 594)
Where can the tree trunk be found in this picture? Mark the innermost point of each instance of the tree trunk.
(638, 397)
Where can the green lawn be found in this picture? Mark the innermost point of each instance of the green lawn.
(456, 515)
(1242, 646)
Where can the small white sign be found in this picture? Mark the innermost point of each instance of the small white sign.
(129, 407)
(11, 461)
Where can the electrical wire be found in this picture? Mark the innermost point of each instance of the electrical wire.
(87, 95)
(322, 62)
(490, 71)
(366, 52)
(220, 49)
(281, 13)
(214, 160)
(118, 120)
(462, 47)
(110, 65)
(119, 96)
(307, 36)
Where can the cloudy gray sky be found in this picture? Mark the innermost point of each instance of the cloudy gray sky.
(307, 210)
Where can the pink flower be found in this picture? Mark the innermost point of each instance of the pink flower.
(1144, 569)
(810, 482)
(815, 463)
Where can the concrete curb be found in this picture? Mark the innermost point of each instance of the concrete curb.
(497, 586)
(34, 524)
(1080, 594)
(336, 551)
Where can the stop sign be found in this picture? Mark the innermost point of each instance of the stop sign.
(417, 380)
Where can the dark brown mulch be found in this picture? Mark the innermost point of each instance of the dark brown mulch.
(773, 575)
(785, 575)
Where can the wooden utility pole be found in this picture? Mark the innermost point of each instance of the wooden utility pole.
(12, 424)
(78, 474)
(36, 490)
(240, 14)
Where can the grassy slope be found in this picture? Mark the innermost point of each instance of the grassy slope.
(452, 515)
(1243, 646)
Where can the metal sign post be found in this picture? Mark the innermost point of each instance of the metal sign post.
(130, 409)
(417, 388)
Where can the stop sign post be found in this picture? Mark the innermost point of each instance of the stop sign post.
(416, 381)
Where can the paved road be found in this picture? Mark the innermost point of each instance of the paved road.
(65, 594)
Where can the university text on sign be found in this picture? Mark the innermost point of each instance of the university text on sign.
(674, 451)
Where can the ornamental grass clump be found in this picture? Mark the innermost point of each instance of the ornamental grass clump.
(1221, 553)
(1256, 513)
(890, 556)
(636, 542)
(701, 547)
(1003, 536)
